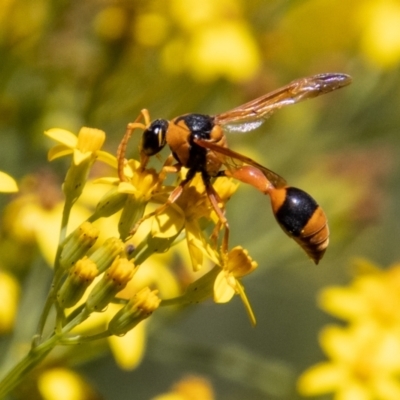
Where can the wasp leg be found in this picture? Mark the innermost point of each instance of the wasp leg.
(214, 200)
(121, 151)
(168, 168)
(174, 195)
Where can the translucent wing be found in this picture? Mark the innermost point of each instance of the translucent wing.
(231, 159)
(251, 115)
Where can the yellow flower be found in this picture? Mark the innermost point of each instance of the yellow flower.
(150, 29)
(226, 188)
(9, 296)
(34, 217)
(141, 183)
(189, 388)
(364, 365)
(215, 41)
(237, 263)
(226, 49)
(7, 184)
(381, 37)
(111, 23)
(63, 384)
(372, 298)
(85, 149)
(222, 282)
(128, 350)
(84, 146)
(192, 15)
(192, 212)
(190, 206)
(132, 195)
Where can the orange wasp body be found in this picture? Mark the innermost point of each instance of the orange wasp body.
(198, 142)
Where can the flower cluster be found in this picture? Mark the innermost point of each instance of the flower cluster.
(365, 354)
(208, 42)
(108, 276)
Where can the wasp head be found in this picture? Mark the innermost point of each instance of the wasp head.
(154, 137)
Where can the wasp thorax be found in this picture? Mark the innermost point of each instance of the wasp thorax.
(154, 137)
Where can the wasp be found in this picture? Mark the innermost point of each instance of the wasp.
(198, 143)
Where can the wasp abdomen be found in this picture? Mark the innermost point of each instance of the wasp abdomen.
(301, 218)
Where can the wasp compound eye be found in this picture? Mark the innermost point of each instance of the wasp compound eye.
(154, 137)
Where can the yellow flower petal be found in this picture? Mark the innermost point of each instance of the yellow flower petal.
(63, 136)
(169, 223)
(90, 140)
(344, 303)
(387, 388)
(111, 23)
(7, 184)
(239, 263)
(9, 295)
(381, 40)
(222, 291)
(355, 391)
(128, 350)
(79, 157)
(61, 384)
(321, 378)
(106, 180)
(246, 303)
(150, 29)
(225, 49)
(60, 150)
(127, 187)
(189, 388)
(338, 343)
(388, 351)
(107, 158)
(47, 226)
(195, 242)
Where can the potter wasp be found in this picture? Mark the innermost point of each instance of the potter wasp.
(198, 143)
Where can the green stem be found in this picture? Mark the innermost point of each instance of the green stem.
(83, 339)
(51, 298)
(38, 353)
(18, 373)
(76, 321)
(57, 279)
(63, 231)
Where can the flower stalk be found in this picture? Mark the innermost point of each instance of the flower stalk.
(95, 271)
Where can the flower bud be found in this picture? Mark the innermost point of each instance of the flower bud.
(109, 204)
(139, 307)
(114, 280)
(105, 254)
(133, 210)
(78, 243)
(80, 276)
(150, 245)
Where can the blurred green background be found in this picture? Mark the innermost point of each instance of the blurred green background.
(98, 63)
